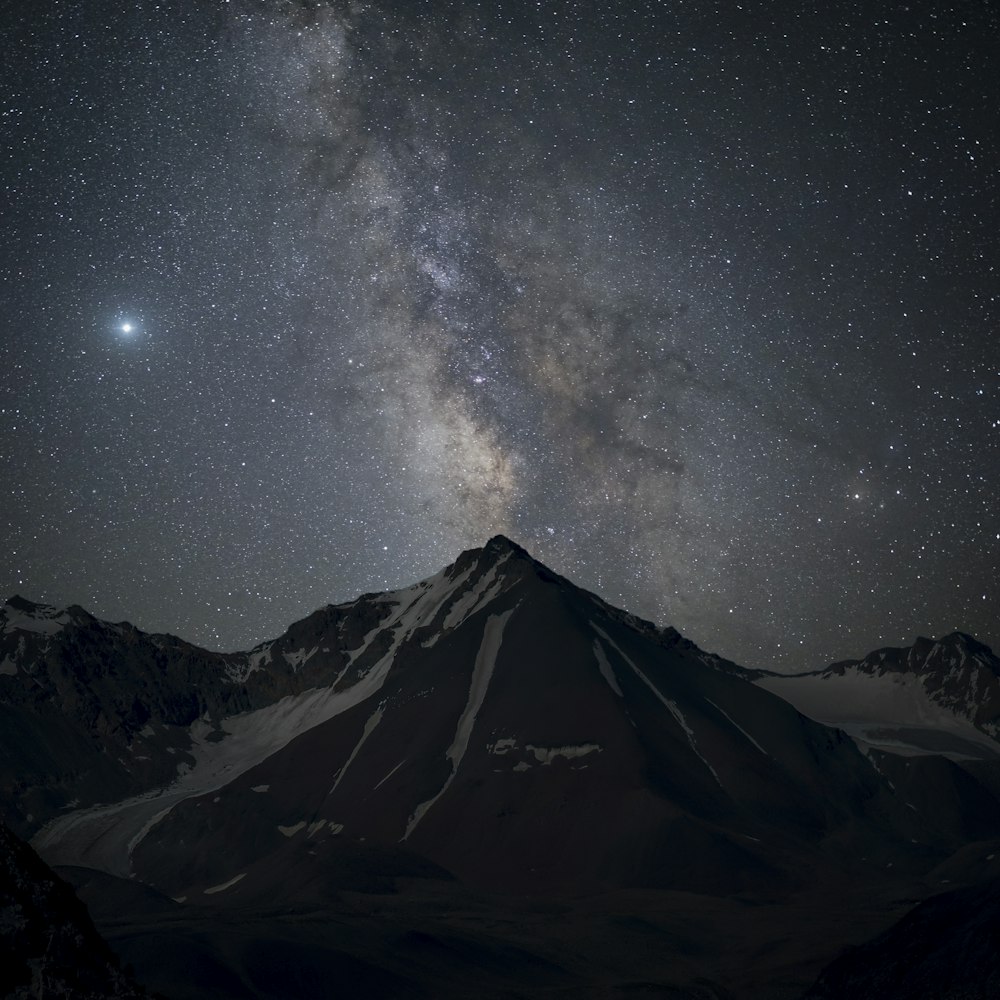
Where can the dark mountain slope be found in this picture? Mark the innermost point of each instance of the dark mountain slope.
(48, 944)
(947, 948)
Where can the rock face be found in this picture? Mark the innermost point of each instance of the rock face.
(48, 945)
(93, 711)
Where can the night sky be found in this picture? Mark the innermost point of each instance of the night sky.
(699, 302)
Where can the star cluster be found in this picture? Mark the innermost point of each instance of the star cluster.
(698, 302)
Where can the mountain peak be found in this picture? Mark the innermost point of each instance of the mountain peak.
(19, 603)
(930, 655)
(938, 696)
(501, 545)
(19, 613)
(966, 641)
(497, 550)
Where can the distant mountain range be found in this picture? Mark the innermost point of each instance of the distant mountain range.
(492, 783)
(933, 697)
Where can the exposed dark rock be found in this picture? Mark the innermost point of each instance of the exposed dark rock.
(48, 944)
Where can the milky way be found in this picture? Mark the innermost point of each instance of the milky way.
(697, 302)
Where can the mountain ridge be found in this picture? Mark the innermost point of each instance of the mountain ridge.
(906, 696)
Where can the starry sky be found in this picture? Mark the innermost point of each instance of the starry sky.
(697, 301)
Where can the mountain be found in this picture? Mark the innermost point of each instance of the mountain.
(496, 721)
(489, 781)
(48, 944)
(926, 716)
(934, 697)
(95, 711)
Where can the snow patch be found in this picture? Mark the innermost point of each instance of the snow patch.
(366, 641)
(256, 659)
(607, 671)
(43, 620)
(8, 668)
(682, 722)
(225, 885)
(390, 774)
(671, 706)
(485, 590)
(444, 589)
(373, 720)
(298, 657)
(482, 672)
(733, 722)
(314, 828)
(145, 828)
(290, 831)
(427, 598)
(545, 755)
(260, 788)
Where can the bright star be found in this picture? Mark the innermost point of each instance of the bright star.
(126, 327)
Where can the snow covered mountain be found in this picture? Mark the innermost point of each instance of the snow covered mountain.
(935, 697)
(494, 720)
(491, 730)
(94, 711)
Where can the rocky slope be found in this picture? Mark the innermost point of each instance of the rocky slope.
(48, 944)
(94, 711)
(947, 948)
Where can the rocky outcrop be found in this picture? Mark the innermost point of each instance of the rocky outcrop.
(48, 945)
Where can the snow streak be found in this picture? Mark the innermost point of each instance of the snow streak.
(671, 706)
(482, 672)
